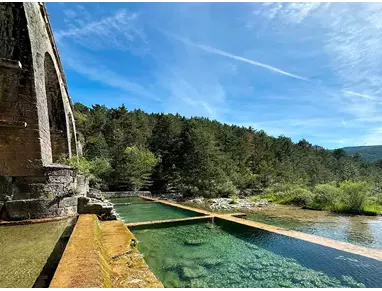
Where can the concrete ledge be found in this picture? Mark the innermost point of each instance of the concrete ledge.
(32, 221)
(83, 264)
(200, 211)
(128, 269)
(339, 245)
(153, 222)
(239, 215)
(102, 254)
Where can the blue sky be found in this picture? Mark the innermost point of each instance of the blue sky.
(304, 70)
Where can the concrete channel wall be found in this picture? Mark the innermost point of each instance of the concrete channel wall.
(102, 254)
(122, 194)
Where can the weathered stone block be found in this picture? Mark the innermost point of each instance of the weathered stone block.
(96, 194)
(104, 210)
(67, 211)
(82, 185)
(31, 209)
(60, 179)
(68, 202)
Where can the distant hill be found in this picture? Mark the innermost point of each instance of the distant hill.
(370, 153)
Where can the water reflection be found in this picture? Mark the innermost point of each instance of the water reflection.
(359, 231)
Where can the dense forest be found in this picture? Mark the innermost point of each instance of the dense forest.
(369, 153)
(125, 149)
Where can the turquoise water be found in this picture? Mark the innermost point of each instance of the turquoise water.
(356, 229)
(225, 254)
(136, 209)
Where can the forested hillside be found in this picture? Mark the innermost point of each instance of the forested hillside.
(198, 156)
(369, 153)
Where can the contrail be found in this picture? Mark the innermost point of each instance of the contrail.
(358, 94)
(255, 63)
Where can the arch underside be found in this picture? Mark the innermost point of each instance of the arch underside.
(58, 123)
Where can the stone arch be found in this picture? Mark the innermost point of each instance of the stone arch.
(56, 111)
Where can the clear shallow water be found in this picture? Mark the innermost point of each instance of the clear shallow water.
(25, 249)
(356, 229)
(136, 209)
(230, 255)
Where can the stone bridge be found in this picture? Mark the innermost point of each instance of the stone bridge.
(37, 127)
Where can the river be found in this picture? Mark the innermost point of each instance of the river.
(356, 229)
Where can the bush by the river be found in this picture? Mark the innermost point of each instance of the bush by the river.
(346, 196)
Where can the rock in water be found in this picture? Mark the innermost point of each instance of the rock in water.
(103, 209)
(194, 242)
(194, 272)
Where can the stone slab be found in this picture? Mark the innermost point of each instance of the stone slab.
(68, 202)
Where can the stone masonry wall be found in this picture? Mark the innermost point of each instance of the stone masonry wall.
(19, 132)
(36, 119)
(25, 132)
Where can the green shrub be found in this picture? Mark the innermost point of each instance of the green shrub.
(288, 194)
(226, 189)
(95, 170)
(234, 198)
(255, 198)
(355, 195)
(326, 196)
(300, 196)
(372, 209)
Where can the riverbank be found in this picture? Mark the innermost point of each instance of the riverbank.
(261, 202)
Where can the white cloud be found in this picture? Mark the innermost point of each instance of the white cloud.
(69, 13)
(117, 31)
(350, 37)
(192, 98)
(90, 67)
(374, 137)
(293, 12)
